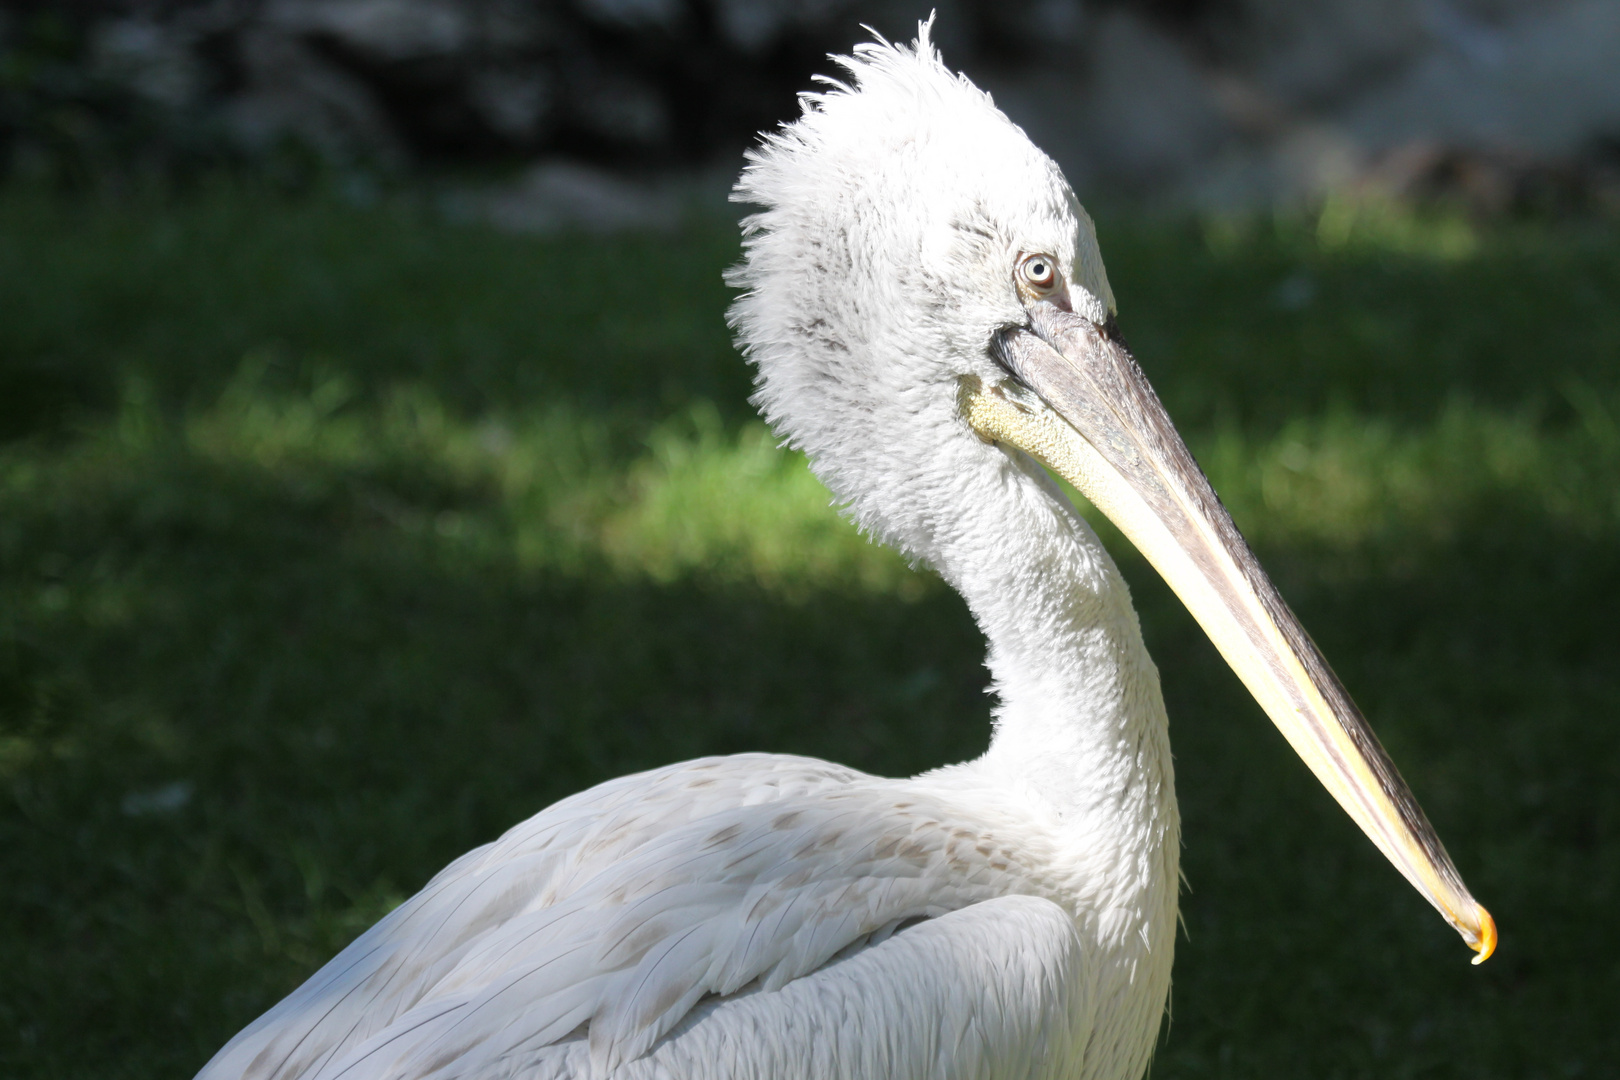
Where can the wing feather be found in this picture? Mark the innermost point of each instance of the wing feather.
(994, 991)
(604, 912)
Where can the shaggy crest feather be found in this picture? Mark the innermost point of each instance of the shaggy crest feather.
(890, 201)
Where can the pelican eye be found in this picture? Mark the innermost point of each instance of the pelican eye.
(1038, 274)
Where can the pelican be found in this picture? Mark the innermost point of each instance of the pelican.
(927, 310)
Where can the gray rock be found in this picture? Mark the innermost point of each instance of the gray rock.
(386, 30)
(155, 61)
(560, 194)
(1131, 109)
(1491, 98)
(291, 92)
(1309, 55)
(633, 13)
(1235, 103)
(516, 103)
(618, 106)
(1548, 85)
(755, 25)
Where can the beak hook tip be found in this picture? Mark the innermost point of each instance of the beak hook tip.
(1485, 945)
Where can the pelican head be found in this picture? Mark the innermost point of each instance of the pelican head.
(928, 312)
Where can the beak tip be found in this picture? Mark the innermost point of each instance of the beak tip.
(1485, 944)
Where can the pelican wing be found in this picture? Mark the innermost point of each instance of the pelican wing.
(615, 912)
(995, 990)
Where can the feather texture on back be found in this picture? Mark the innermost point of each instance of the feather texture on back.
(618, 910)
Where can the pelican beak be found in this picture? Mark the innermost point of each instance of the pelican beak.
(1081, 407)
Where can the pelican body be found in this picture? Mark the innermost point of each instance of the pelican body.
(931, 323)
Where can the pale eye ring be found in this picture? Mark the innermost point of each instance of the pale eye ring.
(1039, 272)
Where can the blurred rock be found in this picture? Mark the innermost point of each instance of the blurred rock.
(634, 14)
(1132, 109)
(1214, 103)
(1501, 107)
(755, 25)
(557, 195)
(618, 107)
(1309, 55)
(291, 93)
(168, 799)
(1547, 83)
(156, 62)
(386, 31)
(1151, 110)
(514, 102)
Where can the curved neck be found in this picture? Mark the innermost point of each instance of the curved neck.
(1080, 725)
(1081, 736)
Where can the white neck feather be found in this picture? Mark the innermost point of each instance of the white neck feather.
(1081, 736)
(1080, 726)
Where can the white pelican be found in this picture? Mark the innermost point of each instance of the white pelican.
(932, 325)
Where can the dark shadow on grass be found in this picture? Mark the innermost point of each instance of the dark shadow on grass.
(348, 707)
(345, 707)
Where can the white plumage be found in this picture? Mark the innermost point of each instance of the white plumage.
(576, 942)
(768, 916)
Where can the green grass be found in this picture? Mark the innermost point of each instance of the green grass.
(334, 541)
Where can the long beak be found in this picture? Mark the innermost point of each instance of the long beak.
(1094, 420)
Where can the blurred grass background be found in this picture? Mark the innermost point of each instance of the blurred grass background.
(335, 539)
